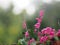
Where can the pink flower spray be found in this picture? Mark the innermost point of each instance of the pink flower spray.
(39, 20)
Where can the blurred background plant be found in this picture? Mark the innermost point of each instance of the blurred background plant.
(10, 26)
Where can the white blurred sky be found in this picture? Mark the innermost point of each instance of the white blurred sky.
(19, 5)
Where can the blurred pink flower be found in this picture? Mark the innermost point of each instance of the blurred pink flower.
(47, 30)
(37, 25)
(58, 33)
(44, 31)
(32, 40)
(28, 42)
(59, 30)
(39, 20)
(51, 35)
(53, 30)
(43, 39)
(41, 13)
(27, 34)
(24, 24)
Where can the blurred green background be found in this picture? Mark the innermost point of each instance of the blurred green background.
(11, 24)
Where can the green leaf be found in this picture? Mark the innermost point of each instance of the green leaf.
(41, 44)
(33, 43)
(22, 42)
(56, 38)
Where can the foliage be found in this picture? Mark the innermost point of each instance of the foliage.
(10, 26)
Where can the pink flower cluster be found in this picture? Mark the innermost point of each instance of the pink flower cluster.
(37, 25)
(43, 35)
(48, 33)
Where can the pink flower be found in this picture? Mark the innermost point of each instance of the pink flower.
(28, 42)
(58, 30)
(24, 24)
(43, 39)
(41, 13)
(53, 30)
(27, 34)
(39, 20)
(51, 35)
(47, 30)
(37, 25)
(32, 40)
(44, 31)
(58, 33)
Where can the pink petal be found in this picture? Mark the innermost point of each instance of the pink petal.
(41, 13)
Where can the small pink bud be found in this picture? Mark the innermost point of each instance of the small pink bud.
(54, 30)
(26, 34)
(32, 40)
(35, 30)
(41, 13)
(37, 18)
